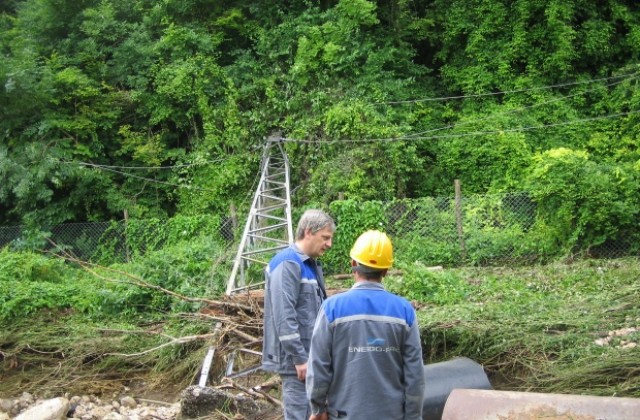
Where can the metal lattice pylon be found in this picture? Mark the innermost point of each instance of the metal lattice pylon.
(268, 228)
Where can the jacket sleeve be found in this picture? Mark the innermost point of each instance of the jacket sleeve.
(320, 367)
(285, 291)
(413, 375)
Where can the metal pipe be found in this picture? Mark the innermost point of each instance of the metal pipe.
(478, 404)
(441, 378)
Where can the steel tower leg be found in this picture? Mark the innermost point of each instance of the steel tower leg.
(268, 228)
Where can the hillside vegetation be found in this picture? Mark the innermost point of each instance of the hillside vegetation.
(144, 113)
(140, 109)
(563, 327)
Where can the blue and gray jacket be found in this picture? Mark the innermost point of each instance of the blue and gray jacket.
(294, 291)
(366, 358)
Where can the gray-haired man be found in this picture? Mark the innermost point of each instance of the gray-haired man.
(294, 291)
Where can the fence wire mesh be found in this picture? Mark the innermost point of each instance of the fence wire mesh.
(473, 230)
(108, 242)
(487, 230)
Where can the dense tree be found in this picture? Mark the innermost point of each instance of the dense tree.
(151, 108)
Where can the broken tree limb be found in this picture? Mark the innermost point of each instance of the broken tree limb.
(137, 281)
(258, 393)
(206, 364)
(179, 340)
(245, 336)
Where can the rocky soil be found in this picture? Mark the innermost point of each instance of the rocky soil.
(86, 407)
(195, 402)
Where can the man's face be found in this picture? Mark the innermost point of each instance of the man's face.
(317, 243)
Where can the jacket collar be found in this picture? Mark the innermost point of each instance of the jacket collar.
(369, 285)
(301, 254)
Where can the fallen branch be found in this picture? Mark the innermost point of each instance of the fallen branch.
(245, 336)
(180, 340)
(137, 281)
(266, 386)
(249, 391)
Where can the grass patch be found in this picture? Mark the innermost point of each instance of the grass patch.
(536, 328)
(562, 328)
(91, 330)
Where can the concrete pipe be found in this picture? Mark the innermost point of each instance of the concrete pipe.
(441, 378)
(465, 404)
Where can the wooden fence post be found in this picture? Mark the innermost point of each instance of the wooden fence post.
(458, 192)
(126, 236)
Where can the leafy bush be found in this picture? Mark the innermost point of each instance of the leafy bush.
(495, 246)
(584, 203)
(352, 219)
(184, 268)
(419, 283)
(153, 234)
(427, 250)
(29, 267)
(122, 242)
(423, 230)
(30, 282)
(19, 300)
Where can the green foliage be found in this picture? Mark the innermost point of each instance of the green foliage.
(362, 173)
(428, 286)
(157, 109)
(582, 203)
(538, 326)
(497, 246)
(479, 162)
(352, 219)
(183, 268)
(498, 229)
(29, 267)
(31, 283)
(21, 300)
(424, 230)
(147, 235)
(430, 250)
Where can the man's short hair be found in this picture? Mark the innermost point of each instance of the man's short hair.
(368, 272)
(314, 220)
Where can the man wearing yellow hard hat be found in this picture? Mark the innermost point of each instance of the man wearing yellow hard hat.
(365, 360)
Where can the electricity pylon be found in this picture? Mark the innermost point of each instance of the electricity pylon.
(268, 228)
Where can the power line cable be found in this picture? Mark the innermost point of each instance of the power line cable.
(479, 95)
(186, 165)
(155, 181)
(114, 169)
(512, 111)
(470, 134)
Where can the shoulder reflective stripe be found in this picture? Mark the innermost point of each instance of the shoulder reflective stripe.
(376, 318)
(309, 281)
(289, 337)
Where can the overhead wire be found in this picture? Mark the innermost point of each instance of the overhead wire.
(520, 109)
(409, 137)
(114, 169)
(420, 135)
(505, 92)
(102, 168)
(185, 165)
(469, 134)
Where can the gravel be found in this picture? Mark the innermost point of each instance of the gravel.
(90, 407)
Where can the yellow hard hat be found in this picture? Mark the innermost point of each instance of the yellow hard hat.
(373, 249)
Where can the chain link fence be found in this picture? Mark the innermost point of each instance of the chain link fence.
(112, 242)
(491, 230)
(472, 230)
